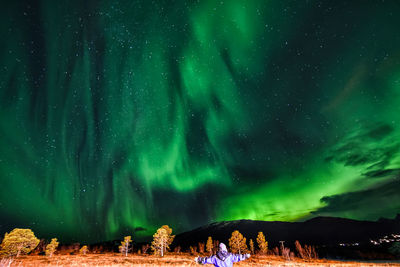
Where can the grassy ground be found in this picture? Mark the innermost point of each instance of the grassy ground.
(182, 259)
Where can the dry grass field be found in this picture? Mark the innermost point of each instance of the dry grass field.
(182, 259)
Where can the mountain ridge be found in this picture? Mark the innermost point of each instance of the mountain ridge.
(321, 230)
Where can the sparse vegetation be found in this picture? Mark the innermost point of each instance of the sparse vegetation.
(183, 259)
(18, 241)
(52, 247)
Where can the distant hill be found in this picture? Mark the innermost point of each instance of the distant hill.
(322, 231)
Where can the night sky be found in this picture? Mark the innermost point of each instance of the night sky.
(117, 117)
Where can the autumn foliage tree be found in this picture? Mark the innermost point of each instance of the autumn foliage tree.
(51, 248)
(262, 244)
(251, 244)
(161, 240)
(124, 247)
(209, 245)
(19, 241)
(237, 243)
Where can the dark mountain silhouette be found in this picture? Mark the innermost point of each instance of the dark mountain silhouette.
(320, 231)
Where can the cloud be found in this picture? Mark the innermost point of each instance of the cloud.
(372, 203)
(380, 132)
(372, 150)
(371, 147)
(139, 229)
(382, 173)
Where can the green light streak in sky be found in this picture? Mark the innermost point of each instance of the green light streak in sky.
(118, 117)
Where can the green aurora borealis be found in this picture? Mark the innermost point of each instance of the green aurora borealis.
(119, 116)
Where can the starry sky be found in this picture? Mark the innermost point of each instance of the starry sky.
(117, 117)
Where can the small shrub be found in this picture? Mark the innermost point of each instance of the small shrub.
(145, 248)
(193, 250)
(177, 249)
(51, 248)
(276, 251)
(201, 247)
(209, 245)
(84, 250)
(286, 253)
(310, 252)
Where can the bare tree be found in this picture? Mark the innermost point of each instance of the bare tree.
(299, 249)
(145, 248)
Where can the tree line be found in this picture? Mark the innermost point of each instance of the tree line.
(23, 241)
